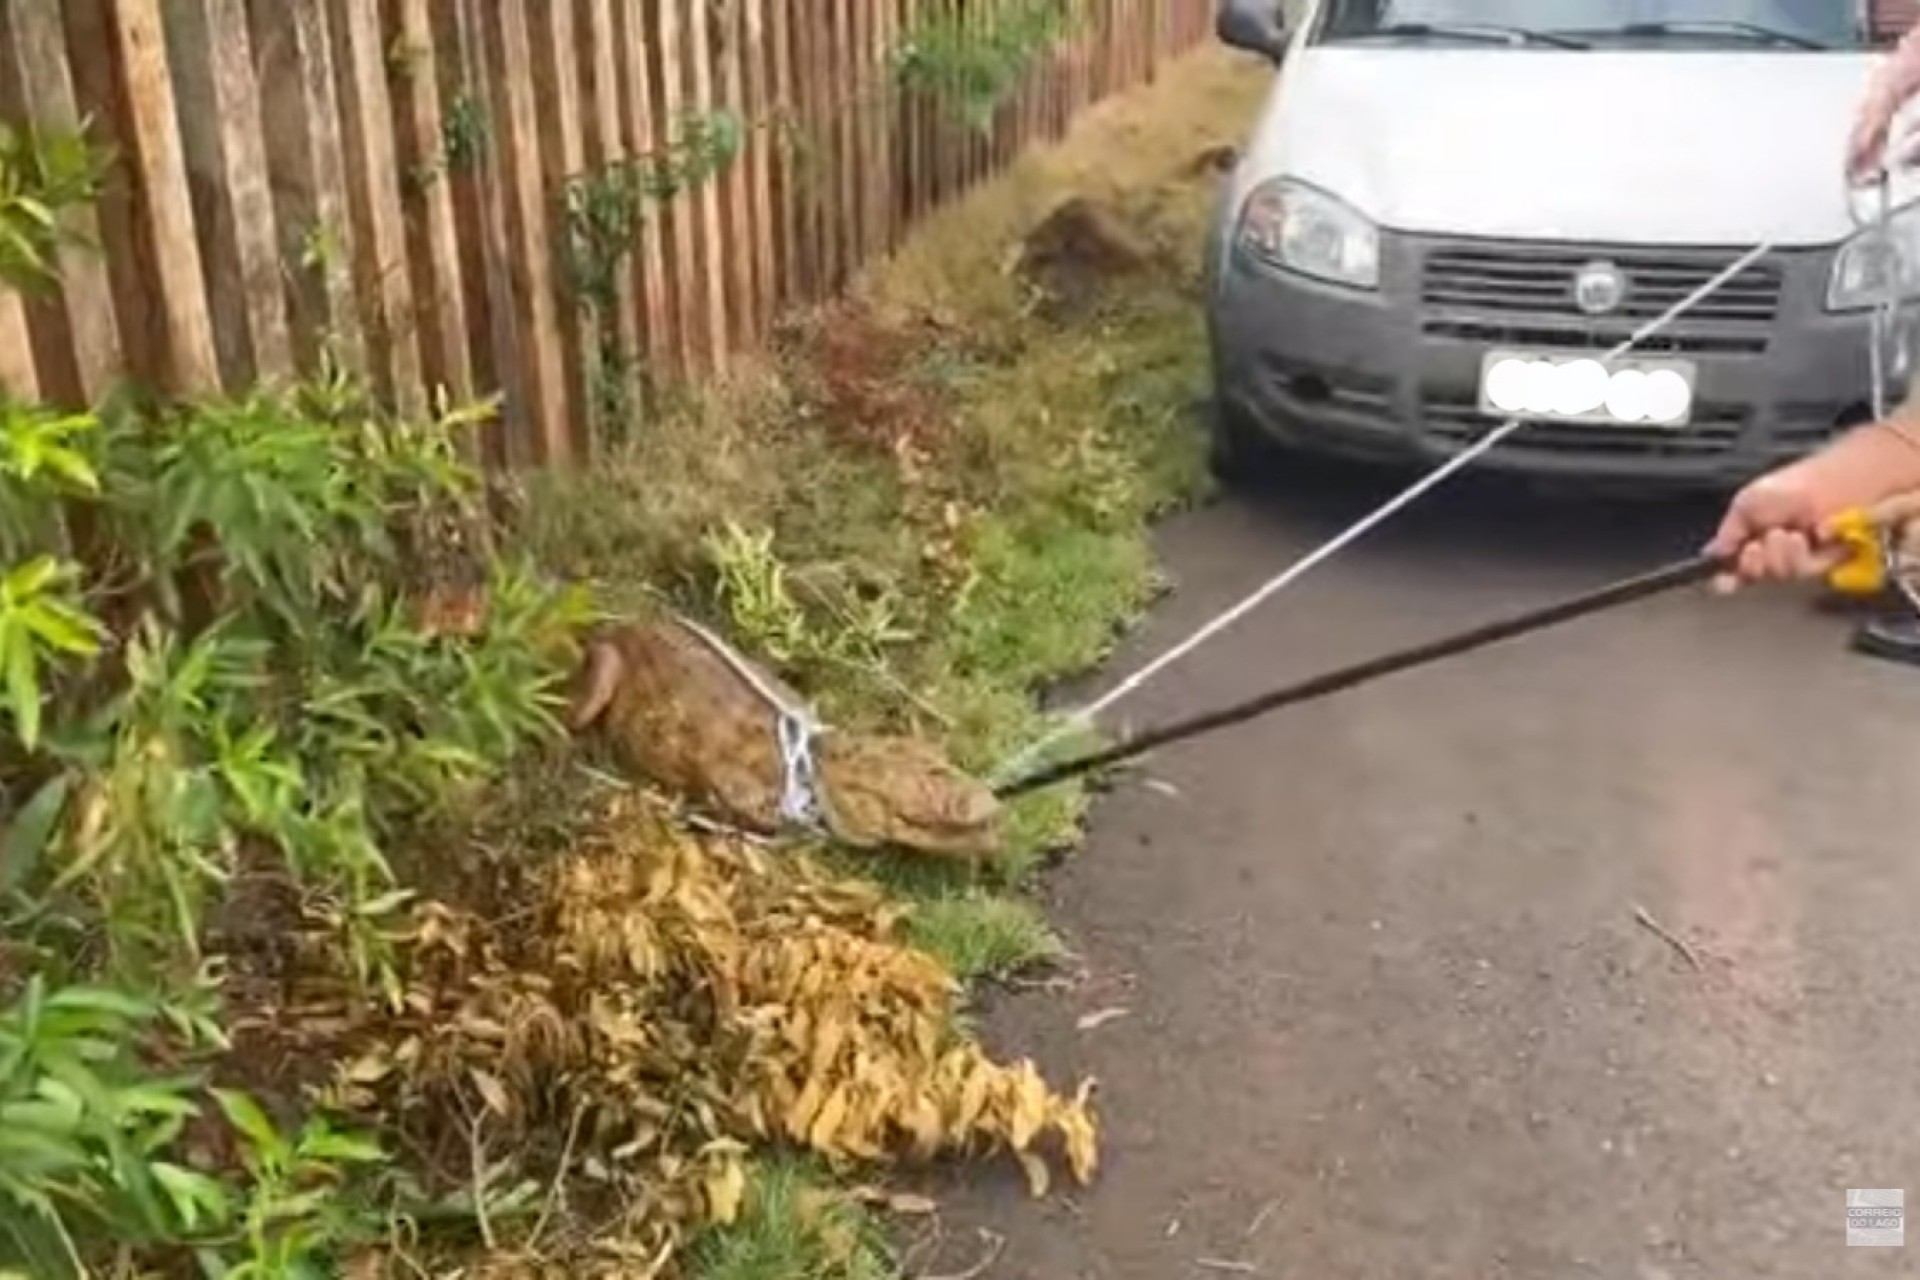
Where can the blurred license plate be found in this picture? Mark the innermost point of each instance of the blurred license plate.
(1556, 387)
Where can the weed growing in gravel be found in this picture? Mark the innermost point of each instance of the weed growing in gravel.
(794, 1225)
(983, 935)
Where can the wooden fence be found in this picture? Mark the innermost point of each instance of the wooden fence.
(410, 183)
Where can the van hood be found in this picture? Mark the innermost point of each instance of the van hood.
(1621, 146)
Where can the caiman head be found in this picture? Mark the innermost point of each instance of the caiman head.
(902, 793)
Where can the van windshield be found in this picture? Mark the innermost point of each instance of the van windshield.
(1786, 24)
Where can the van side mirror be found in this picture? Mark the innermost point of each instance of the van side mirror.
(1256, 26)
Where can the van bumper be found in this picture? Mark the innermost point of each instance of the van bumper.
(1393, 375)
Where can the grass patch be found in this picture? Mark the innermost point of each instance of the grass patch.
(983, 935)
(794, 1225)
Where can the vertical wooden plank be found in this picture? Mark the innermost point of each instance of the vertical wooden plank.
(211, 60)
(1020, 128)
(835, 168)
(1010, 133)
(927, 125)
(555, 76)
(471, 169)
(682, 213)
(19, 377)
(899, 131)
(300, 118)
(1090, 26)
(1097, 59)
(380, 270)
(902, 123)
(1050, 86)
(886, 179)
(855, 108)
(710, 236)
(867, 112)
(986, 144)
(78, 321)
(100, 97)
(163, 209)
(543, 433)
(913, 149)
(821, 171)
(725, 29)
(762, 136)
(20, 354)
(959, 135)
(977, 18)
(942, 136)
(432, 235)
(1116, 56)
(787, 172)
(1070, 73)
(606, 149)
(859, 89)
(1094, 84)
(1136, 31)
(648, 274)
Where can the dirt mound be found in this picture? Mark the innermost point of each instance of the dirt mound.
(857, 371)
(1080, 248)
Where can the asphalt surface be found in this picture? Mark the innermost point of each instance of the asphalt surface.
(1389, 1011)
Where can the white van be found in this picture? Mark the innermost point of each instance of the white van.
(1440, 195)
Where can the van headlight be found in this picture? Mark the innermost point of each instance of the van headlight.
(1301, 228)
(1868, 263)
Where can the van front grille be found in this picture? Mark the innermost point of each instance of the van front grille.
(1539, 280)
(1681, 338)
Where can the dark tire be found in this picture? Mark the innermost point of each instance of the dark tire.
(1238, 452)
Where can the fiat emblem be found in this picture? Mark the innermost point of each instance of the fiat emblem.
(1599, 287)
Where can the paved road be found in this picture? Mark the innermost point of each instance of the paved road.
(1390, 1014)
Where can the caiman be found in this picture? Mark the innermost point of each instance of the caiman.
(677, 710)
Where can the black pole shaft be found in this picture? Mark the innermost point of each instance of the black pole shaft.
(1673, 576)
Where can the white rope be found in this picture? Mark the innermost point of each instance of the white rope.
(794, 727)
(1085, 716)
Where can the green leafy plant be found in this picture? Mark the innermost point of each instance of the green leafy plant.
(86, 1131)
(225, 661)
(975, 62)
(43, 173)
(83, 1128)
(464, 133)
(603, 215)
(231, 672)
(41, 624)
(294, 1219)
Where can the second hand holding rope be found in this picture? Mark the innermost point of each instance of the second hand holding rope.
(1085, 716)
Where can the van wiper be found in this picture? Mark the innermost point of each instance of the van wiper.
(1752, 30)
(1494, 33)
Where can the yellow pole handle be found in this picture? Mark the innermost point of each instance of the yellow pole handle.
(1864, 571)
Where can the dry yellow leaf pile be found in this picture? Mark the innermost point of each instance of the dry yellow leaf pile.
(663, 1000)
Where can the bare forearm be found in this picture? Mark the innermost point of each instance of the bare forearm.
(1872, 462)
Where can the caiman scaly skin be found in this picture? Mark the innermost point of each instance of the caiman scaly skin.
(677, 712)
